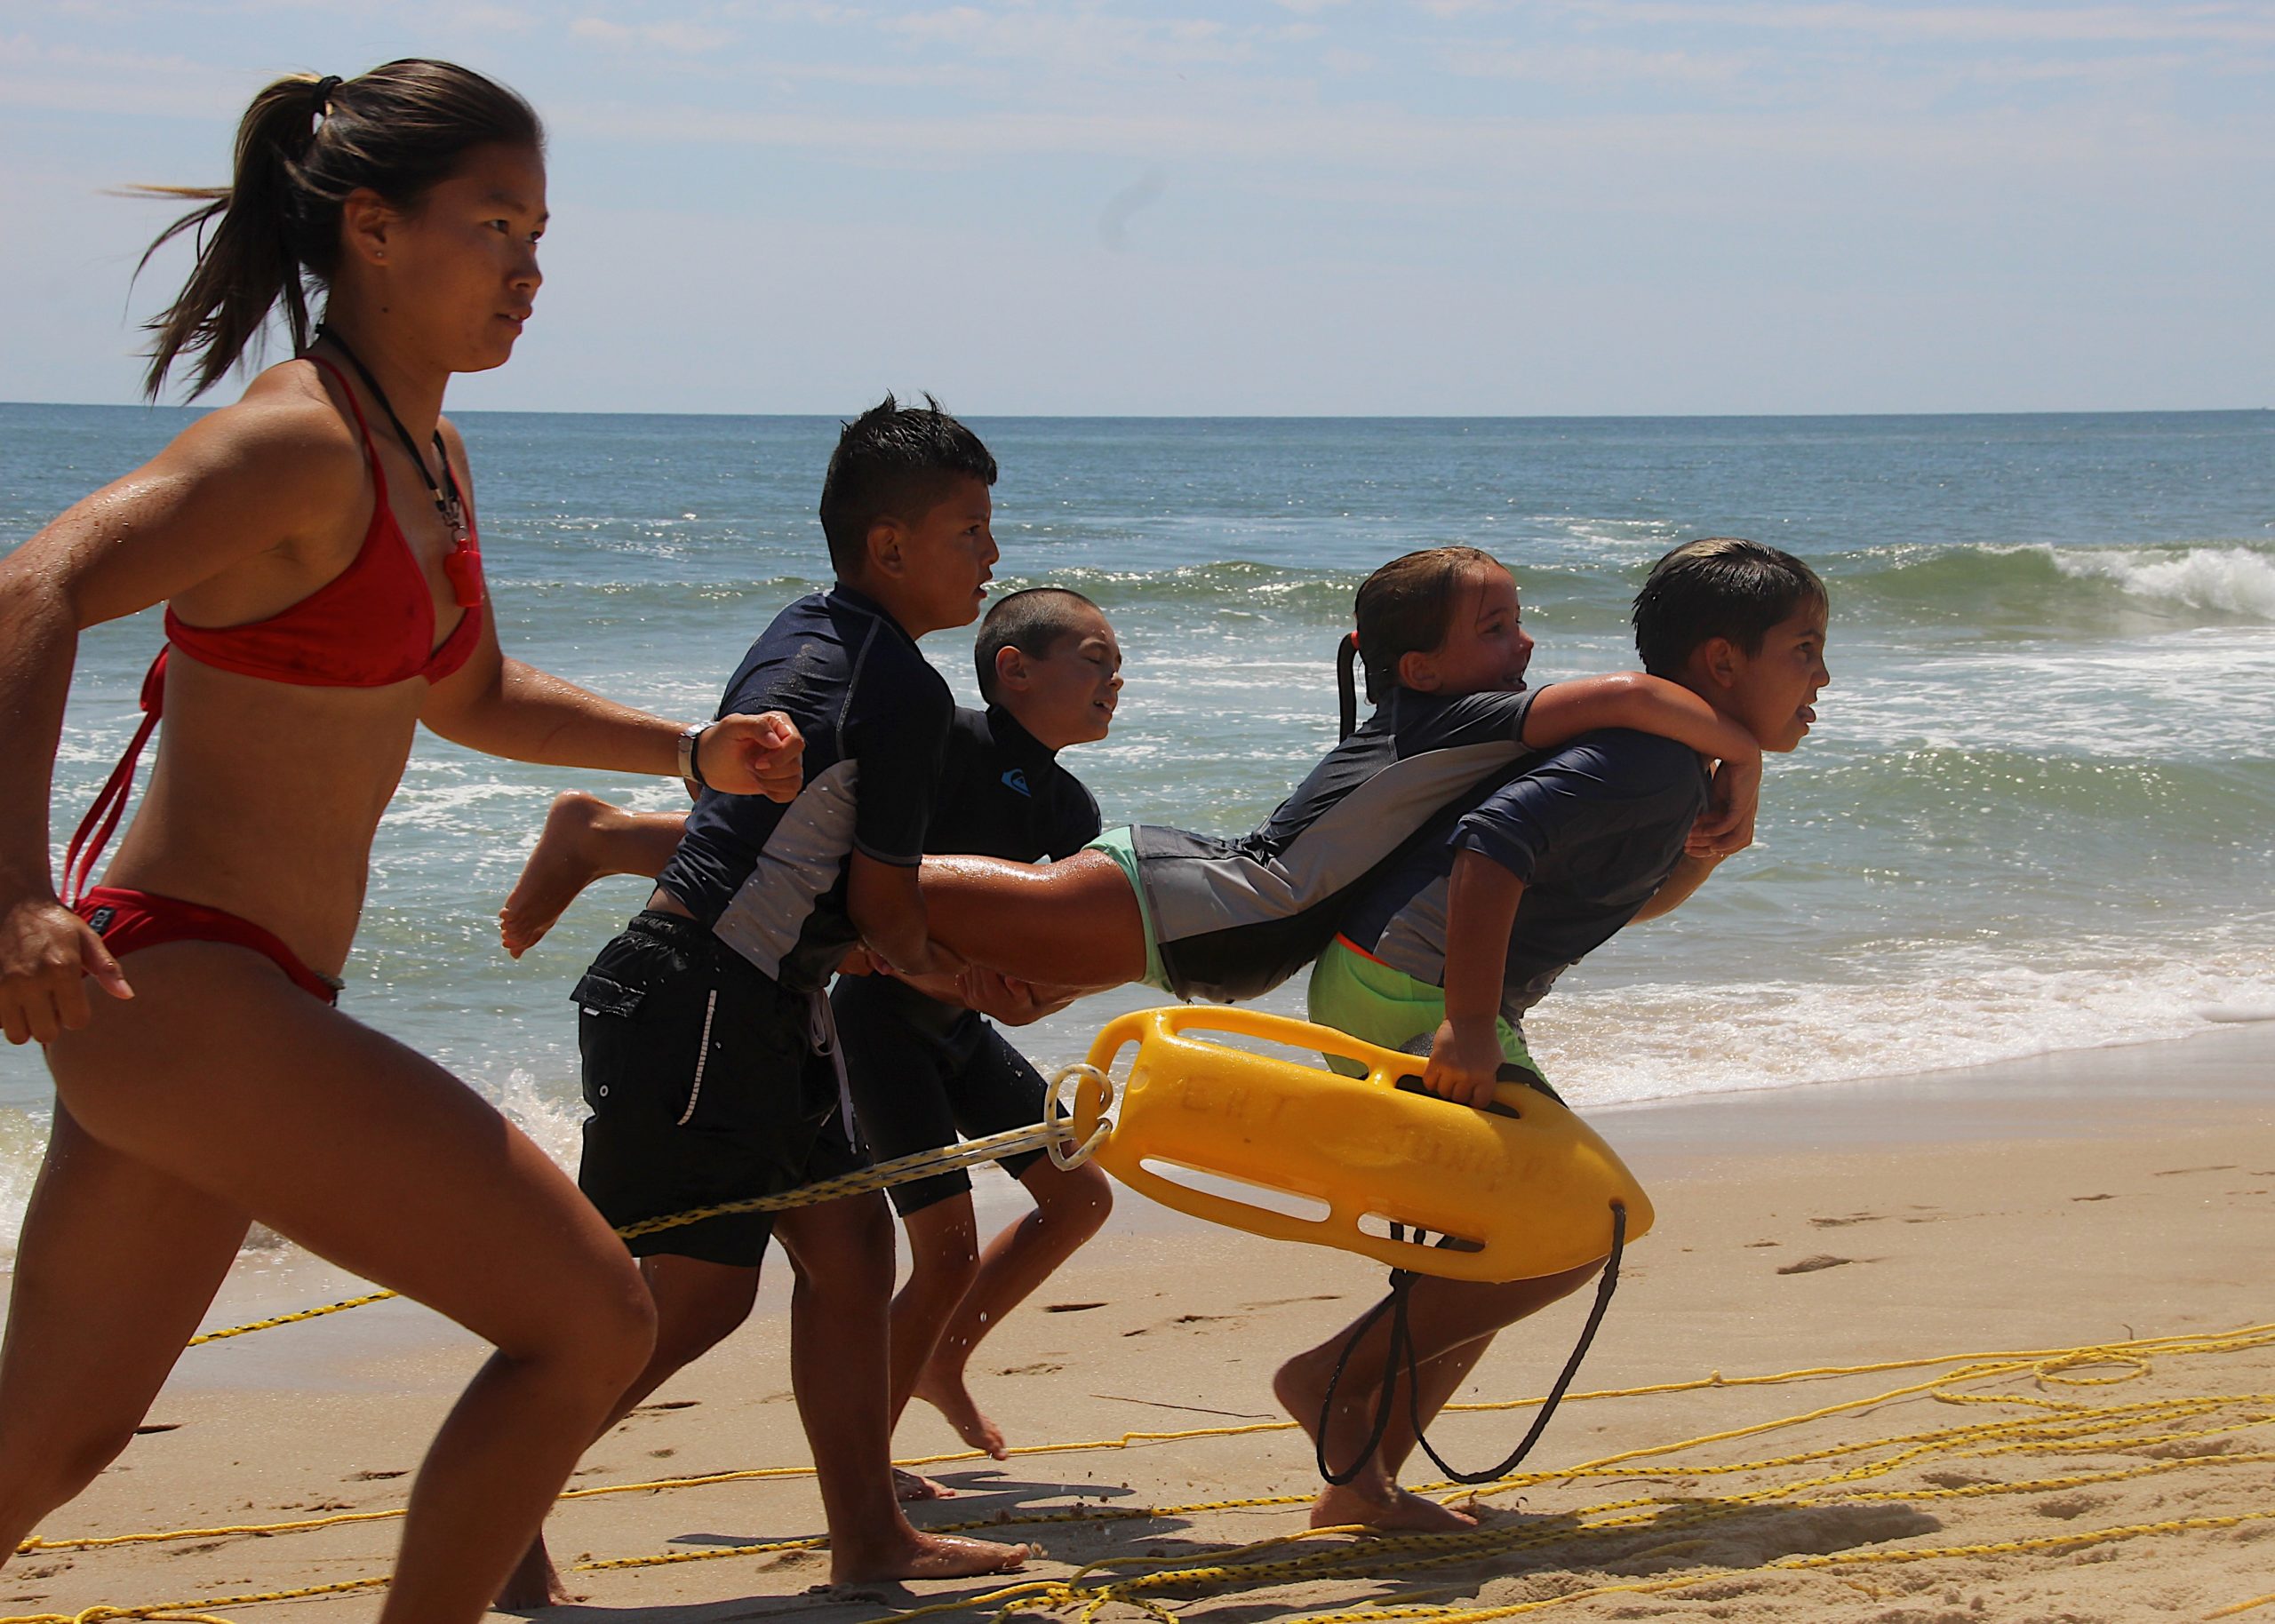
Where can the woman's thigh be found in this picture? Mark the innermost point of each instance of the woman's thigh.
(116, 1264)
(221, 1074)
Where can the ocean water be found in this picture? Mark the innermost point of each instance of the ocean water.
(2037, 814)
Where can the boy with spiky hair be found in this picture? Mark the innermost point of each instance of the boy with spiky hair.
(710, 1068)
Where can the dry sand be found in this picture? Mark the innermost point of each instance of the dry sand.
(1963, 1230)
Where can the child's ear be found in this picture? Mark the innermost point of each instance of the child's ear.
(1012, 673)
(1418, 671)
(1719, 660)
(886, 557)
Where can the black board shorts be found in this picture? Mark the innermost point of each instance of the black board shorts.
(704, 1086)
(925, 1073)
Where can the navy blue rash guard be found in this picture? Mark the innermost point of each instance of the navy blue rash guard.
(1593, 828)
(769, 879)
(1234, 919)
(1003, 794)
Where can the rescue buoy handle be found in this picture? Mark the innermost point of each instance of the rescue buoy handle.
(1400, 1350)
(1385, 1068)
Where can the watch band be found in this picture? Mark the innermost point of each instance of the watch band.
(690, 754)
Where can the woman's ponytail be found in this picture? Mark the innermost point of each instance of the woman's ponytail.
(248, 261)
(304, 146)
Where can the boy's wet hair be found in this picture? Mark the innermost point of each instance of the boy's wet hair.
(1032, 620)
(893, 462)
(1718, 586)
(1406, 606)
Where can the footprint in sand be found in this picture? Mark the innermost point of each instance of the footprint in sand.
(1071, 1308)
(2166, 1173)
(1810, 1265)
(1043, 1369)
(1840, 1223)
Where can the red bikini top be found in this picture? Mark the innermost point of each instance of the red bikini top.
(369, 625)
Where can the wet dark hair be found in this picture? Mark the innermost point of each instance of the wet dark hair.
(304, 145)
(1718, 586)
(1406, 606)
(893, 462)
(1034, 621)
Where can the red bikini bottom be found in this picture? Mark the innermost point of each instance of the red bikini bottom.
(129, 920)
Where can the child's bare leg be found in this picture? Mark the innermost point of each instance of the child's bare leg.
(944, 1261)
(1073, 923)
(697, 1304)
(1069, 1207)
(584, 838)
(1452, 1322)
(843, 1252)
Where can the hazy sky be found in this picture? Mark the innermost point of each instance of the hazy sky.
(1314, 206)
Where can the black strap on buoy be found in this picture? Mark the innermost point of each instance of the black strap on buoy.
(1400, 1350)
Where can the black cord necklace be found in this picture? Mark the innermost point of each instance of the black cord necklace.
(452, 507)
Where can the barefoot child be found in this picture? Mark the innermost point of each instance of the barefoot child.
(1445, 651)
(708, 1067)
(1450, 945)
(926, 1068)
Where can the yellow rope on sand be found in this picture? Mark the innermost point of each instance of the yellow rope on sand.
(2055, 1426)
(881, 1175)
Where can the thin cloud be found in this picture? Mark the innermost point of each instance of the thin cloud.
(1944, 24)
(685, 38)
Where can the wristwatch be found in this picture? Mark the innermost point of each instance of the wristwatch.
(690, 754)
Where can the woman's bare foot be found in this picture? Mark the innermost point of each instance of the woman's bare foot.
(561, 864)
(923, 1556)
(907, 1488)
(533, 1582)
(1385, 1506)
(945, 1392)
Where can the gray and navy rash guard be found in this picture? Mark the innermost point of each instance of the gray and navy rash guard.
(1593, 828)
(769, 879)
(1234, 919)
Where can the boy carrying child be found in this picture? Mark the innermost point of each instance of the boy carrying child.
(925, 1067)
(710, 1068)
(1504, 893)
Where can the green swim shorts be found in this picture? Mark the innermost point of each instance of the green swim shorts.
(1366, 998)
(1118, 843)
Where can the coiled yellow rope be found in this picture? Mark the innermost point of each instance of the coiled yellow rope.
(880, 1175)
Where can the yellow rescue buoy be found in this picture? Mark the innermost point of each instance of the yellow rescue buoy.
(1523, 1190)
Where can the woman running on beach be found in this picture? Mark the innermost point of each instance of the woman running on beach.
(315, 543)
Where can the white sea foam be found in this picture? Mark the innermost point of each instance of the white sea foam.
(2228, 580)
(1922, 1012)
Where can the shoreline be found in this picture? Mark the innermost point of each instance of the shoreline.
(2196, 1080)
(1910, 1219)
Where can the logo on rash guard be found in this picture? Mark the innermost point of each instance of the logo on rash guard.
(1017, 778)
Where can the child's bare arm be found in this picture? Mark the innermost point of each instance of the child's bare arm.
(1481, 909)
(887, 907)
(1645, 704)
(1690, 872)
